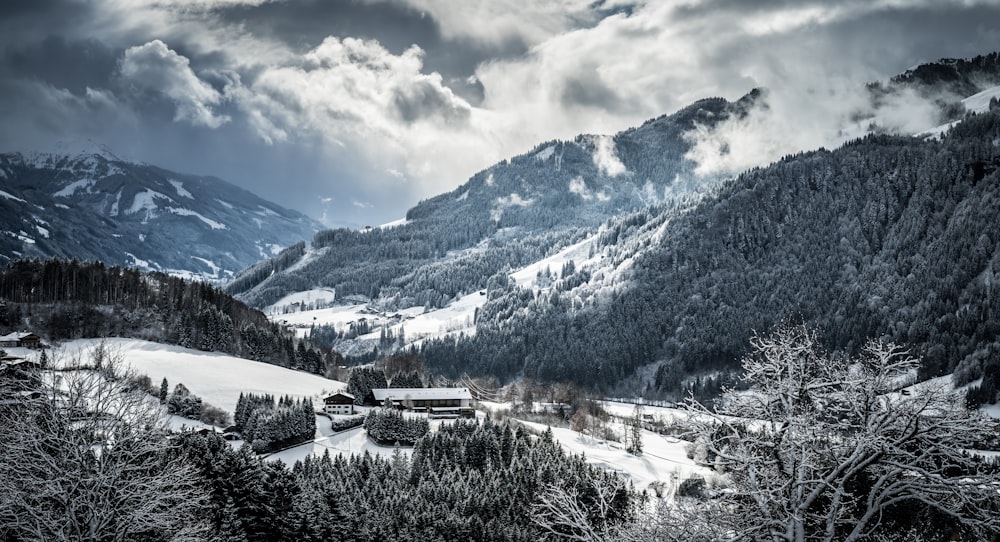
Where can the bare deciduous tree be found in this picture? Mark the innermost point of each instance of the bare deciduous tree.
(88, 459)
(825, 449)
(562, 514)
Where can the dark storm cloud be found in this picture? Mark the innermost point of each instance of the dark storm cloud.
(73, 65)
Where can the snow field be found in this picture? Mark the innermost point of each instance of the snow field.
(217, 378)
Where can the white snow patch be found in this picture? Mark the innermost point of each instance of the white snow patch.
(24, 237)
(464, 196)
(980, 103)
(210, 264)
(42, 231)
(188, 212)
(577, 252)
(142, 237)
(137, 261)
(146, 201)
(215, 377)
(545, 153)
(605, 157)
(321, 295)
(179, 187)
(71, 188)
(264, 211)
(61, 206)
(114, 206)
(490, 181)
(8, 195)
(393, 224)
(225, 204)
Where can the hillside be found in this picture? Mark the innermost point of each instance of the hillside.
(63, 300)
(887, 236)
(507, 215)
(96, 206)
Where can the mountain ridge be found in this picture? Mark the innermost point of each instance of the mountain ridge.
(95, 206)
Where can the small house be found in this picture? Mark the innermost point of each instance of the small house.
(434, 401)
(20, 339)
(339, 403)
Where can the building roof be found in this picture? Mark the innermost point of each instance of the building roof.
(17, 336)
(339, 394)
(423, 394)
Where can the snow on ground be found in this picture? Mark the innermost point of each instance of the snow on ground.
(71, 188)
(338, 315)
(146, 200)
(977, 103)
(217, 378)
(8, 195)
(181, 191)
(352, 441)
(188, 212)
(457, 316)
(579, 252)
(325, 295)
(393, 224)
(663, 460)
(980, 103)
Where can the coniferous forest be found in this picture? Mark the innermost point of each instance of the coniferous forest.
(68, 299)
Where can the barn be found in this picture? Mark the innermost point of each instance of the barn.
(434, 401)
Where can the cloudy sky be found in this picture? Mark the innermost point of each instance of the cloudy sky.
(353, 110)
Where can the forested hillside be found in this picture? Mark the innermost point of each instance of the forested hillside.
(504, 216)
(69, 299)
(892, 237)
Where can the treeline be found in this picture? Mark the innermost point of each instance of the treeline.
(268, 425)
(891, 237)
(68, 299)
(467, 481)
(390, 427)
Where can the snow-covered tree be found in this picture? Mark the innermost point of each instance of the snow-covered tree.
(833, 449)
(89, 460)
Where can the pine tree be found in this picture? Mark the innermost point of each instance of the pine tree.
(164, 390)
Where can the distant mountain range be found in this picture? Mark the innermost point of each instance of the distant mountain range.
(93, 205)
(606, 261)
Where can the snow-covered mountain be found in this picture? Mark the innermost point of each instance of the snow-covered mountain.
(92, 205)
(604, 259)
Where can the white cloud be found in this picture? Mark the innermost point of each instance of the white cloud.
(497, 21)
(605, 157)
(384, 112)
(381, 106)
(153, 67)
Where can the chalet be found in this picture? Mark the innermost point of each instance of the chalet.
(20, 339)
(434, 401)
(339, 403)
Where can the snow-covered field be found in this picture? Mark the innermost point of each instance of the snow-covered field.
(217, 378)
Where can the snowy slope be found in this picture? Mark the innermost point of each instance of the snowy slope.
(217, 378)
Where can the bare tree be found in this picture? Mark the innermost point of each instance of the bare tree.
(825, 449)
(561, 513)
(88, 459)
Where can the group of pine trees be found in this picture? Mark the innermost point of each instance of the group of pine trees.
(268, 425)
(389, 426)
(468, 481)
(891, 237)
